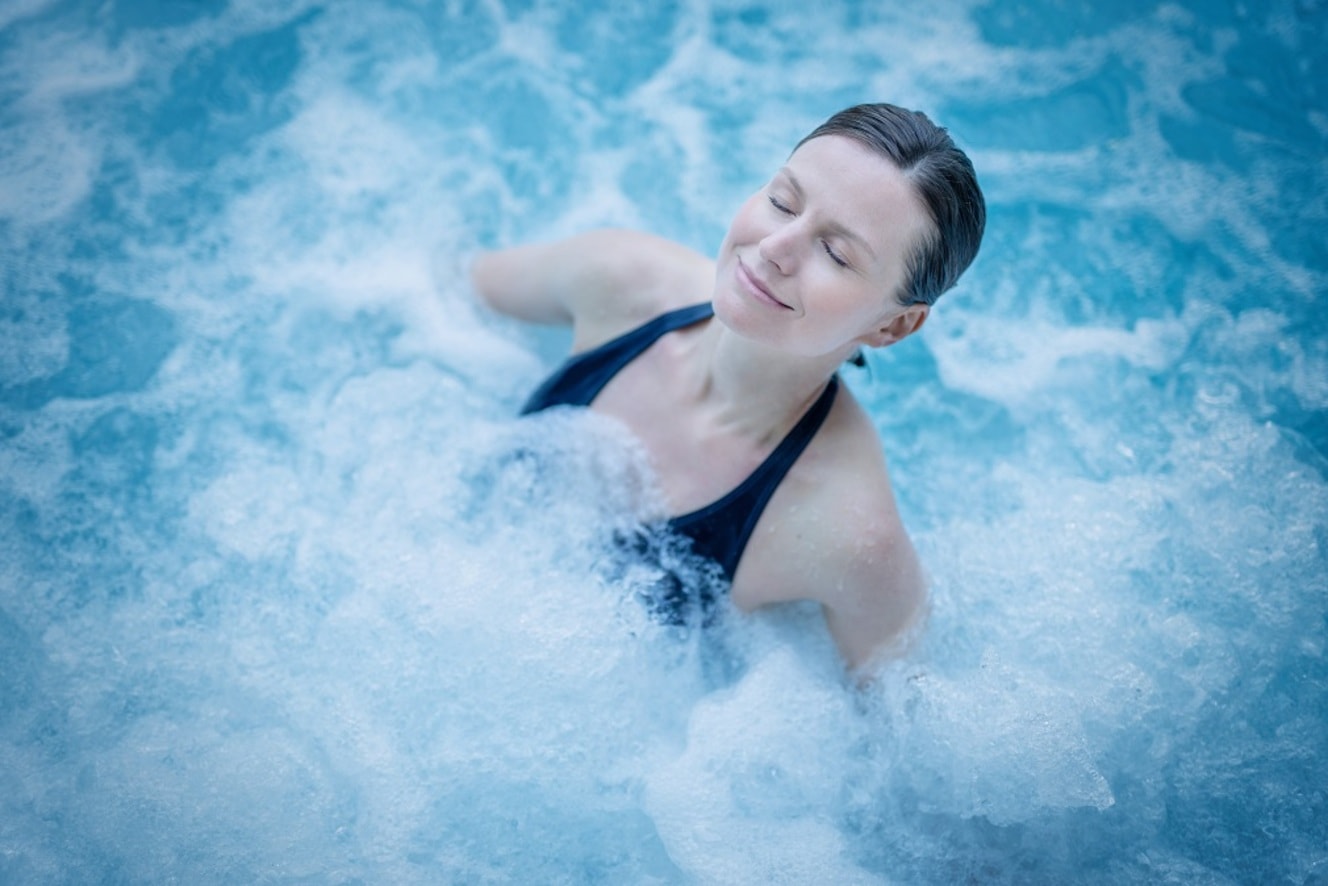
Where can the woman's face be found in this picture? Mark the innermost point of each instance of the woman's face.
(813, 261)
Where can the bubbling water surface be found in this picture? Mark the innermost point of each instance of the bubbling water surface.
(289, 594)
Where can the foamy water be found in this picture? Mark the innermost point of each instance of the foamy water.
(289, 594)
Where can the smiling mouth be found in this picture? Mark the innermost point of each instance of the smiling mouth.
(757, 288)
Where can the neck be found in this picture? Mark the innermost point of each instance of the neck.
(760, 390)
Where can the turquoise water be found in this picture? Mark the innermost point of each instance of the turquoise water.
(288, 595)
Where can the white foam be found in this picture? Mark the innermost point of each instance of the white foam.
(354, 619)
(1010, 361)
(45, 170)
(753, 797)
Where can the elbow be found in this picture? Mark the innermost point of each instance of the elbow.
(525, 282)
(879, 624)
(893, 643)
(486, 280)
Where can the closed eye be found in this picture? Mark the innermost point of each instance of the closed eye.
(825, 244)
(784, 209)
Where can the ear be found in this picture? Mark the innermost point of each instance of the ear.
(900, 326)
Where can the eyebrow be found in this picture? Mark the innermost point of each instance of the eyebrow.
(846, 233)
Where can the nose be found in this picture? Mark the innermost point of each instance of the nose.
(778, 248)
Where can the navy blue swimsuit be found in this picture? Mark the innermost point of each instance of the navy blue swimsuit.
(720, 530)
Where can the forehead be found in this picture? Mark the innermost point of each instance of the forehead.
(849, 184)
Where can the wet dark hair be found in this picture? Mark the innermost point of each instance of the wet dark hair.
(944, 179)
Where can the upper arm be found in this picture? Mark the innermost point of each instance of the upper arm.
(834, 536)
(591, 278)
(536, 282)
(881, 594)
(846, 549)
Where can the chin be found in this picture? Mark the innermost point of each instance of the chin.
(735, 308)
(730, 309)
(746, 320)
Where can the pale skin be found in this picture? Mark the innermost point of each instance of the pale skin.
(808, 273)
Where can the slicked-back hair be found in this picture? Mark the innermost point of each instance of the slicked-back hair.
(945, 182)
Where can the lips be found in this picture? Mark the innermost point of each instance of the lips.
(758, 289)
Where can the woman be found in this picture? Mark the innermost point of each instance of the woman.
(774, 471)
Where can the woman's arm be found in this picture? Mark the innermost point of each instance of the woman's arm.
(840, 544)
(599, 279)
(873, 611)
(535, 282)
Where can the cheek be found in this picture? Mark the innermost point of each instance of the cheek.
(745, 226)
(853, 306)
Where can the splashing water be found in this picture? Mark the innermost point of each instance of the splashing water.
(289, 594)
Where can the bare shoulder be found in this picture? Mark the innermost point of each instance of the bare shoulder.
(635, 276)
(601, 282)
(835, 536)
